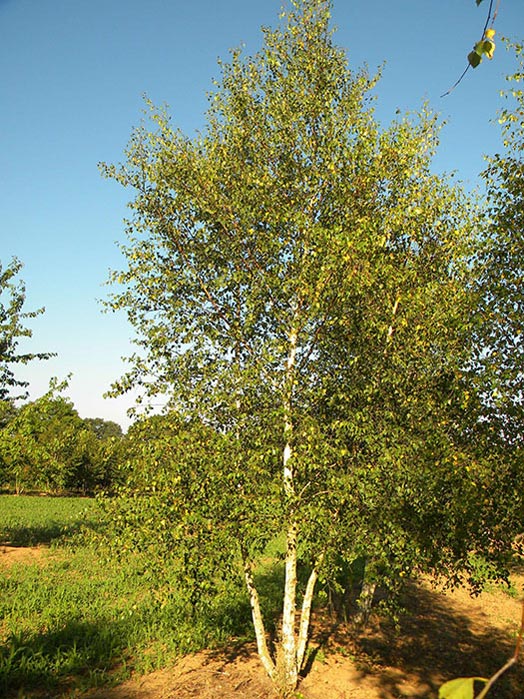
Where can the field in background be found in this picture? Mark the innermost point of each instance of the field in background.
(29, 520)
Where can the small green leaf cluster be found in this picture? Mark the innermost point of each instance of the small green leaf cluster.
(484, 47)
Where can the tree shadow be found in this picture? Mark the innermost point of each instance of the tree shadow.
(77, 654)
(434, 641)
(45, 534)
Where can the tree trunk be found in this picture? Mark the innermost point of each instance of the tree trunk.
(305, 617)
(365, 599)
(258, 622)
(287, 667)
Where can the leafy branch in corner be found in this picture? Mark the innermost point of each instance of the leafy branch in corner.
(484, 47)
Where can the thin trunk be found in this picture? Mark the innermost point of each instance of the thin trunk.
(289, 486)
(258, 621)
(287, 668)
(366, 597)
(306, 616)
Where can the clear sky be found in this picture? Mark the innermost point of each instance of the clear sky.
(73, 73)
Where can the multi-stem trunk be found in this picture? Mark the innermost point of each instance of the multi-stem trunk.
(291, 647)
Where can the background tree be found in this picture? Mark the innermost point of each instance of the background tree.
(103, 429)
(101, 455)
(500, 347)
(301, 285)
(46, 446)
(12, 315)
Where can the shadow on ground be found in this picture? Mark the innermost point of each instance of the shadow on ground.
(77, 654)
(436, 640)
(44, 534)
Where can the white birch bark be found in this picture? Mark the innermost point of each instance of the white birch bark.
(305, 617)
(287, 656)
(258, 622)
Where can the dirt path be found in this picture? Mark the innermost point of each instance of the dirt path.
(18, 554)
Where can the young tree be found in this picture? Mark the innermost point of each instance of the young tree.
(12, 329)
(301, 286)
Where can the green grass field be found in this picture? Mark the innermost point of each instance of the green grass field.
(82, 616)
(27, 520)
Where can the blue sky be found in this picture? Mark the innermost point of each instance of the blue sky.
(73, 73)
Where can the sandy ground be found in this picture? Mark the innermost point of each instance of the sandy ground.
(441, 636)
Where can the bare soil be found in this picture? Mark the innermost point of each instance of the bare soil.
(442, 634)
(15, 554)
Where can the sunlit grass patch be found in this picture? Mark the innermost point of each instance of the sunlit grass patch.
(27, 520)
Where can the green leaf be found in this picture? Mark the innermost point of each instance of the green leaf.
(474, 59)
(479, 48)
(460, 688)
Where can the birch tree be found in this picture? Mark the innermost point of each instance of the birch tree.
(300, 284)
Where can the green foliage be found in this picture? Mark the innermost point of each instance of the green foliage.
(461, 688)
(499, 336)
(103, 429)
(502, 263)
(46, 446)
(12, 316)
(501, 270)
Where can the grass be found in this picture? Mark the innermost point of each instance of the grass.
(84, 617)
(27, 520)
